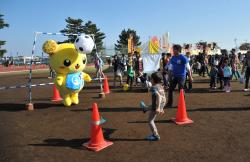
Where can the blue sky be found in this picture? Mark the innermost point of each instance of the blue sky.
(186, 20)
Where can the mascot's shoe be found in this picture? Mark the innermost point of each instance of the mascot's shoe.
(153, 138)
(75, 100)
(67, 101)
(143, 106)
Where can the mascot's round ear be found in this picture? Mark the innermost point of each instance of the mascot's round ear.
(50, 47)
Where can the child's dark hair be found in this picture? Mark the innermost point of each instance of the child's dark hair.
(156, 77)
(225, 61)
(177, 47)
(169, 54)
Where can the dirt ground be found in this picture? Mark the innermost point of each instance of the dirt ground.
(52, 132)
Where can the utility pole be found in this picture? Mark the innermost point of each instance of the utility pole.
(17, 58)
(42, 58)
(235, 42)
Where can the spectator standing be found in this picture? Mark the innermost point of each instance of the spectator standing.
(246, 70)
(213, 76)
(177, 72)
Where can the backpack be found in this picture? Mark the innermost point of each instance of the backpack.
(227, 71)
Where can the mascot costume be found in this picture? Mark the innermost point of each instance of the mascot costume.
(69, 60)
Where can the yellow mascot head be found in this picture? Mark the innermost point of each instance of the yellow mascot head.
(64, 58)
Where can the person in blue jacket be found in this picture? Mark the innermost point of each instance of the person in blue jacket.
(178, 68)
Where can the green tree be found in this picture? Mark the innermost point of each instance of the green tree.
(122, 44)
(202, 44)
(245, 46)
(74, 26)
(2, 25)
(224, 51)
(90, 28)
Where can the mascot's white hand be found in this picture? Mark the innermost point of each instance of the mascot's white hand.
(86, 77)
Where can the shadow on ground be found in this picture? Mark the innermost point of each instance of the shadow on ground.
(77, 143)
(12, 107)
(207, 90)
(120, 109)
(157, 121)
(40, 77)
(92, 87)
(134, 90)
(221, 109)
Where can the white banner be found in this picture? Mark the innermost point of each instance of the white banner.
(151, 63)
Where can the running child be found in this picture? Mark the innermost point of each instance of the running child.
(158, 103)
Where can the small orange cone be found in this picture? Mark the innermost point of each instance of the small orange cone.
(106, 85)
(181, 116)
(29, 106)
(97, 141)
(56, 94)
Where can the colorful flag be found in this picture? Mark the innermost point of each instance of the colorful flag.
(138, 49)
(154, 45)
(130, 44)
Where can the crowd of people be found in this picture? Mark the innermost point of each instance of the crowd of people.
(221, 69)
(132, 67)
(178, 69)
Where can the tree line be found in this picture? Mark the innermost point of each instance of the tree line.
(77, 26)
(2, 25)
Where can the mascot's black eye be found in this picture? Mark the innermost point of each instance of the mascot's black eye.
(86, 36)
(77, 40)
(84, 61)
(80, 48)
(66, 62)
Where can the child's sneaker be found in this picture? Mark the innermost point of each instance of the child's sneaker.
(153, 137)
(143, 106)
(228, 89)
(246, 89)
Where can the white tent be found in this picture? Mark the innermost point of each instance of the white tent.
(151, 62)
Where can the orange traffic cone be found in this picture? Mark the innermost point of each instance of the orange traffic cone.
(56, 94)
(181, 116)
(97, 141)
(106, 85)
